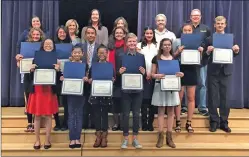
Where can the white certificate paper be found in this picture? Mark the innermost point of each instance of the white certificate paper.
(223, 56)
(72, 87)
(132, 81)
(44, 77)
(62, 63)
(171, 83)
(25, 65)
(102, 88)
(190, 57)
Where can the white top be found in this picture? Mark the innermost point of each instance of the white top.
(164, 34)
(149, 51)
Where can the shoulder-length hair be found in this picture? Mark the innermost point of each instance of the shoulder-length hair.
(42, 35)
(42, 44)
(144, 40)
(66, 40)
(160, 51)
(99, 21)
(112, 40)
(124, 21)
(76, 24)
(30, 23)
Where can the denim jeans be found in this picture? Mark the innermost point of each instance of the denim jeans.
(201, 89)
(131, 101)
(75, 114)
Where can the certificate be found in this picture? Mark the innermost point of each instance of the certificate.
(190, 57)
(44, 77)
(171, 83)
(102, 88)
(62, 63)
(72, 87)
(132, 82)
(223, 56)
(25, 65)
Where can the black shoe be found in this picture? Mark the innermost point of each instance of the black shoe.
(204, 113)
(57, 127)
(213, 127)
(150, 127)
(77, 145)
(47, 146)
(64, 128)
(184, 111)
(37, 147)
(116, 128)
(145, 127)
(225, 128)
(72, 146)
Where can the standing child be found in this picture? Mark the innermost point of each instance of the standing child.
(75, 105)
(164, 99)
(43, 100)
(100, 106)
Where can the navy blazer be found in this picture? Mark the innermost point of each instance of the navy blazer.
(213, 68)
(95, 56)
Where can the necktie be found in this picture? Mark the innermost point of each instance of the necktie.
(89, 54)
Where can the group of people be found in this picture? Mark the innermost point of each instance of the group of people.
(86, 111)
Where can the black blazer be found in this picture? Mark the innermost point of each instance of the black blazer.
(95, 56)
(118, 57)
(213, 68)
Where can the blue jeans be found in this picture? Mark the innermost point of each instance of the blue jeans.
(75, 116)
(201, 89)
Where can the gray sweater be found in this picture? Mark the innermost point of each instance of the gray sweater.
(101, 38)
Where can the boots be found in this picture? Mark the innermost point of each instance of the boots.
(151, 119)
(104, 139)
(160, 140)
(169, 140)
(97, 142)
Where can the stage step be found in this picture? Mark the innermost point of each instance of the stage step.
(238, 135)
(182, 149)
(26, 149)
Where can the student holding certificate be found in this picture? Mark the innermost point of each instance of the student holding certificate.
(34, 35)
(76, 102)
(219, 76)
(116, 46)
(189, 81)
(43, 99)
(100, 103)
(148, 47)
(129, 63)
(164, 99)
(62, 36)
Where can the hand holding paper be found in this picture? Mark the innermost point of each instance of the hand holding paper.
(90, 81)
(33, 66)
(57, 67)
(179, 74)
(19, 57)
(85, 79)
(200, 49)
(235, 49)
(210, 49)
(122, 70)
(180, 49)
(62, 78)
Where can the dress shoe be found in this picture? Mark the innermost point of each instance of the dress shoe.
(213, 127)
(225, 128)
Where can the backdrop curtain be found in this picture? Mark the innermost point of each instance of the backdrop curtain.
(16, 17)
(236, 12)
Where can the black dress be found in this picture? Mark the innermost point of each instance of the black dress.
(190, 75)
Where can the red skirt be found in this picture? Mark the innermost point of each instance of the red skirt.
(43, 101)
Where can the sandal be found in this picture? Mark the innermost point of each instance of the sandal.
(189, 127)
(178, 126)
(30, 128)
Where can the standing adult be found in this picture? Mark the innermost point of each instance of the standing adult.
(201, 90)
(102, 32)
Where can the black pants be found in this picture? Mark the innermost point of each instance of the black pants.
(29, 116)
(131, 101)
(100, 116)
(88, 120)
(218, 94)
(147, 111)
(56, 116)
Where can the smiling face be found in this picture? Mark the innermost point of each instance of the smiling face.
(119, 34)
(220, 25)
(102, 54)
(90, 34)
(61, 34)
(160, 22)
(72, 27)
(36, 23)
(36, 35)
(131, 43)
(149, 35)
(48, 45)
(195, 16)
(77, 54)
(95, 16)
(166, 46)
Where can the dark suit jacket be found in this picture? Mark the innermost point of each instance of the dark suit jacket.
(85, 49)
(119, 55)
(213, 68)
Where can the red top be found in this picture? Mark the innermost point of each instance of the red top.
(111, 57)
